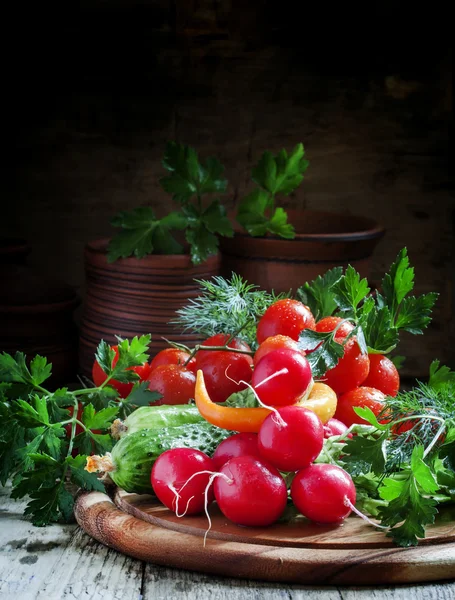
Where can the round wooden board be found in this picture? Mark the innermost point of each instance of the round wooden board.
(353, 553)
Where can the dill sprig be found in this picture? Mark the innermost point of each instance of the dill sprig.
(228, 306)
(418, 416)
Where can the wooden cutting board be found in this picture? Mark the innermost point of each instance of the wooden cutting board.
(353, 553)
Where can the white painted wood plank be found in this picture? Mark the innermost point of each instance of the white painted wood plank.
(59, 561)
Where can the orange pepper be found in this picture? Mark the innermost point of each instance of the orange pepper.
(250, 419)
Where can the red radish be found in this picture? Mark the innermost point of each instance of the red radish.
(335, 427)
(323, 493)
(239, 444)
(181, 480)
(291, 438)
(282, 377)
(250, 492)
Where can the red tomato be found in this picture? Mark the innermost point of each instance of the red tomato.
(173, 356)
(329, 323)
(285, 317)
(124, 389)
(383, 375)
(220, 339)
(175, 383)
(220, 368)
(351, 370)
(275, 342)
(360, 396)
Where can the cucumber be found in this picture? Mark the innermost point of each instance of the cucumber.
(156, 417)
(130, 462)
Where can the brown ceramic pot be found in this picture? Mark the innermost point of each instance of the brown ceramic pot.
(135, 297)
(36, 317)
(323, 240)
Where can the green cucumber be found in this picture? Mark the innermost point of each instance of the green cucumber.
(156, 417)
(130, 462)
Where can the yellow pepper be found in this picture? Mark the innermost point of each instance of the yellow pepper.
(322, 400)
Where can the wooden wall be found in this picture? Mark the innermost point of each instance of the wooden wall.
(96, 90)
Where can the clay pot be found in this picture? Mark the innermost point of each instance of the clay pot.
(36, 317)
(323, 240)
(135, 297)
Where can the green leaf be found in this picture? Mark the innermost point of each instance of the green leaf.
(14, 369)
(365, 454)
(202, 242)
(279, 225)
(44, 505)
(244, 399)
(380, 335)
(100, 420)
(52, 438)
(422, 472)
(215, 219)
(440, 376)
(131, 353)
(29, 416)
(105, 355)
(81, 477)
(251, 212)
(369, 416)
(318, 294)
(142, 234)
(398, 282)
(350, 290)
(66, 504)
(415, 313)
(141, 395)
(327, 353)
(265, 172)
(40, 369)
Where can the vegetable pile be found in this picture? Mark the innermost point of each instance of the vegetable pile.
(291, 406)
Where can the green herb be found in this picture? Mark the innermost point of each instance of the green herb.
(412, 466)
(40, 449)
(280, 174)
(230, 306)
(189, 182)
(319, 296)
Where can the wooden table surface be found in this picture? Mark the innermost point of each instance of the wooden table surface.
(61, 561)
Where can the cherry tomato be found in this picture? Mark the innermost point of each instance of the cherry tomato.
(275, 342)
(329, 323)
(383, 375)
(173, 356)
(351, 370)
(175, 383)
(223, 371)
(124, 389)
(220, 339)
(285, 317)
(360, 396)
(276, 388)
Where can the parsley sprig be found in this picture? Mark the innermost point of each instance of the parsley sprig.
(405, 474)
(200, 215)
(279, 174)
(378, 317)
(46, 435)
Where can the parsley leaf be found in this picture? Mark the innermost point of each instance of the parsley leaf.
(327, 353)
(365, 454)
(407, 506)
(440, 376)
(142, 233)
(280, 174)
(81, 477)
(350, 290)
(318, 294)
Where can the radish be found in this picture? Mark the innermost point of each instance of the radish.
(180, 478)
(282, 377)
(291, 438)
(250, 492)
(239, 444)
(323, 493)
(335, 427)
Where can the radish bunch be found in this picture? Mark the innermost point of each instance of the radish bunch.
(246, 475)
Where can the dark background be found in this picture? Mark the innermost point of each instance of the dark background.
(94, 89)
